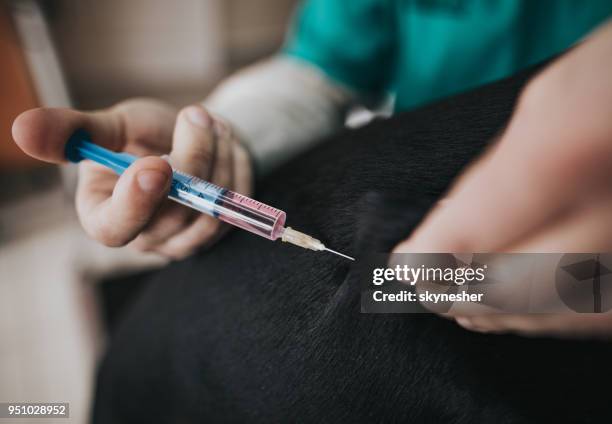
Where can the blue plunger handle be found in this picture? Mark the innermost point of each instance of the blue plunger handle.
(80, 147)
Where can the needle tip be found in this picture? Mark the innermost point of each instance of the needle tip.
(340, 254)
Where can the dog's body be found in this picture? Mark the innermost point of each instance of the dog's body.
(254, 331)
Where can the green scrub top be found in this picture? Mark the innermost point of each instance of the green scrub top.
(421, 50)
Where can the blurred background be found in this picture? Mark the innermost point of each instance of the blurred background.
(60, 294)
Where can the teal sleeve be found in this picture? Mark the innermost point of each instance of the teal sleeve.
(352, 41)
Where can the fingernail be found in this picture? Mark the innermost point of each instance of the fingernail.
(198, 117)
(151, 181)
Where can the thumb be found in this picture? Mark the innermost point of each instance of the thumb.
(42, 133)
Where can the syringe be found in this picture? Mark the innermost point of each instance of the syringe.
(203, 196)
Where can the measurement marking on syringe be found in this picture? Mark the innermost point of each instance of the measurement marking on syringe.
(194, 199)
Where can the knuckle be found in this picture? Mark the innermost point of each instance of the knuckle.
(202, 154)
(207, 230)
(107, 236)
(211, 229)
(175, 217)
(224, 160)
(142, 244)
(182, 219)
(222, 129)
(241, 156)
(177, 252)
(181, 254)
(81, 206)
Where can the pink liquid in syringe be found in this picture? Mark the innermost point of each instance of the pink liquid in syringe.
(233, 208)
(250, 215)
(240, 211)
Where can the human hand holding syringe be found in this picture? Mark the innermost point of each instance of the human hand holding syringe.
(116, 210)
(131, 208)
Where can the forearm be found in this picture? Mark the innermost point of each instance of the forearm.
(279, 107)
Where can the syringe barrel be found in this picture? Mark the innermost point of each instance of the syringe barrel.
(225, 205)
